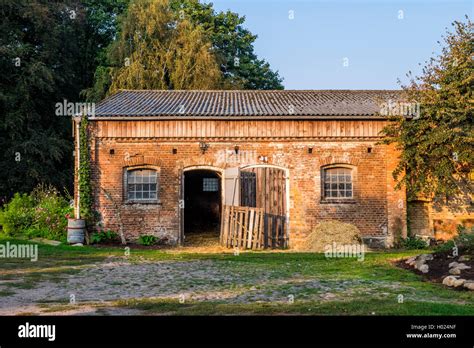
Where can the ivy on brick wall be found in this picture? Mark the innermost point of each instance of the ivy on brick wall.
(85, 185)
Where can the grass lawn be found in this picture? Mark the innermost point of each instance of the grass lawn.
(183, 282)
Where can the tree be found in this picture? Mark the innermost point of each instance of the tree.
(48, 52)
(157, 51)
(37, 64)
(437, 145)
(230, 44)
(233, 45)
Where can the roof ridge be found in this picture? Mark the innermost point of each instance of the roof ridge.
(258, 90)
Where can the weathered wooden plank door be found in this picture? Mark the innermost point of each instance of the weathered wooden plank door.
(242, 227)
(265, 187)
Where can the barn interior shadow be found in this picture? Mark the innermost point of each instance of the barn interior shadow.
(202, 207)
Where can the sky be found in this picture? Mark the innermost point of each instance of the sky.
(344, 44)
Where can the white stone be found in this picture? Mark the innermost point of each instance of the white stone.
(459, 282)
(462, 266)
(78, 244)
(411, 260)
(426, 257)
(449, 280)
(424, 268)
(419, 263)
(464, 258)
(455, 271)
(469, 285)
(453, 264)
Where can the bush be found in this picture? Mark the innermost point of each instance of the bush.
(446, 247)
(43, 213)
(103, 237)
(412, 243)
(17, 215)
(147, 240)
(464, 241)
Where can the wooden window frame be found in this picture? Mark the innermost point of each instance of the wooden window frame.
(353, 182)
(126, 198)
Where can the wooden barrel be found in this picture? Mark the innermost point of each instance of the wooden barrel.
(75, 231)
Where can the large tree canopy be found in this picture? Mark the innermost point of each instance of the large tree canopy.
(158, 51)
(182, 28)
(437, 145)
(48, 52)
(233, 45)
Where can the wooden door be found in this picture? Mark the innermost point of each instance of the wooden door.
(265, 187)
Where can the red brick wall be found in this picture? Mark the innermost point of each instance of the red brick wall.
(376, 209)
(440, 220)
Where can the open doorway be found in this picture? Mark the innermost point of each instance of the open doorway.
(202, 206)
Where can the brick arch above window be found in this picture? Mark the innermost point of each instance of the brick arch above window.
(339, 160)
(132, 159)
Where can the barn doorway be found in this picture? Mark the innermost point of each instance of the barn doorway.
(202, 206)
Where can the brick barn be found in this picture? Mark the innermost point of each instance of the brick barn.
(171, 163)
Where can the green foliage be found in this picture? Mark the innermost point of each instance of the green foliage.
(147, 240)
(436, 146)
(85, 185)
(103, 237)
(43, 213)
(58, 53)
(446, 247)
(181, 44)
(412, 243)
(464, 241)
(233, 45)
(17, 215)
(157, 50)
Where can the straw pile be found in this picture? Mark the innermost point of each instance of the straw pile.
(328, 232)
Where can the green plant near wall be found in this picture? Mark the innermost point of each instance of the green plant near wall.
(147, 240)
(85, 186)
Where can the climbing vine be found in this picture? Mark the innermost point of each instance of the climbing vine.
(85, 186)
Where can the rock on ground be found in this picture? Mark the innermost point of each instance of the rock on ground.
(449, 280)
(469, 285)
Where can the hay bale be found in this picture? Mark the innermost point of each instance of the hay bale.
(328, 232)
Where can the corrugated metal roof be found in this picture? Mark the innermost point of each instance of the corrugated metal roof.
(244, 103)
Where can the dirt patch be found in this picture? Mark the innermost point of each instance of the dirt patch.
(205, 241)
(130, 245)
(439, 268)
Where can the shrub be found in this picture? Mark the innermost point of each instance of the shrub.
(17, 215)
(147, 240)
(446, 247)
(103, 237)
(464, 241)
(43, 213)
(412, 243)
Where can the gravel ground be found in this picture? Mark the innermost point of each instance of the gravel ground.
(98, 286)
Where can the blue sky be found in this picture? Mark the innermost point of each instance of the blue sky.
(309, 50)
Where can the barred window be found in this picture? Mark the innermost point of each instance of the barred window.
(142, 185)
(337, 183)
(210, 184)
